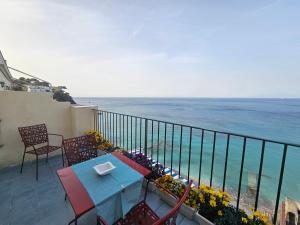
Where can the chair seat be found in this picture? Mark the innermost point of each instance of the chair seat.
(43, 150)
(141, 214)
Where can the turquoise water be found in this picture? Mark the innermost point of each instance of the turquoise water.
(277, 119)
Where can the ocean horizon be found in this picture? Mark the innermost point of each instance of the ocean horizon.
(269, 118)
(287, 108)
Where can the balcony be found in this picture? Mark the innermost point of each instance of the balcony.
(234, 163)
(25, 201)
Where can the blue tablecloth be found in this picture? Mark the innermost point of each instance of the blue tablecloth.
(113, 194)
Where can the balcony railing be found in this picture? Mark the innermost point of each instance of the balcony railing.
(217, 158)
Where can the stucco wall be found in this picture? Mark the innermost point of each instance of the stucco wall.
(27, 108)
(82, 119)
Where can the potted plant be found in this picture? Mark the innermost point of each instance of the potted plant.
(102, 143)
(214, 208)
(212, 204)
(169, 185)
(208, 206)
(240, 217)
(156, 171)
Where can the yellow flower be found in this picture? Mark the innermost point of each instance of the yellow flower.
(212, 203)
(201, 197)
(219, 194)
(244, 220)
(209, 191)
(168, 178)
(256, 214)
(261, 217)
(225, 203)
(220, 213)
(250, 217)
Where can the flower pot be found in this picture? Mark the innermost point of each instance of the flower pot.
(167, 198)
(201, 220)
(185, 210)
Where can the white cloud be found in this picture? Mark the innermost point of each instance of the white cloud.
(106, 51)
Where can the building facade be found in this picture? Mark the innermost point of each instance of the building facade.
(6, 80)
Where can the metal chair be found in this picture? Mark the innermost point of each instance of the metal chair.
(80, 149)
(142, 214)
(37, 138)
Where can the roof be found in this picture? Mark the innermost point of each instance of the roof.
(4, 68)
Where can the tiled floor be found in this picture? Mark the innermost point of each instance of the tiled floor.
(25, 201)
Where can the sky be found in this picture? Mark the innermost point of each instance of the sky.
(156, 48)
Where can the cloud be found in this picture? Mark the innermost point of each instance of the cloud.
(110, 48)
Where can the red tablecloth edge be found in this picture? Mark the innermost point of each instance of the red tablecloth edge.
(77, 195)
(142, 170)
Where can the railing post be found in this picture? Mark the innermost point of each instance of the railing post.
(226, 160)
(135, 133)
(180, 148)
(95, 113)
(200, 160)
(146, 139)
(127, 133)
(113, 129)
(98, 121)
(152, 142)
(241, 174)
(190, 151)
(105, 127)
(120, 130)
(116, 129)
(157, 148)
(280, 182)
(123, 132)
(141, 134)
(260, 174)
(165, 146)
(131, 133)
(213, 159)
(110, 134)
(172, 149)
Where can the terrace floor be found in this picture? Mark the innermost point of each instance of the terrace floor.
(25, 201)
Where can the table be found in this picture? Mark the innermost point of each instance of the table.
(78, 196)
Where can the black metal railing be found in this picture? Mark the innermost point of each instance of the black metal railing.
(188, 151)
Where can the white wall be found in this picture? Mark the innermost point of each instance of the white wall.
(26, 108)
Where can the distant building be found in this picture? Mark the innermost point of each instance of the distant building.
(31, 84)
(6, 79)
(289, 212)
(37, 88)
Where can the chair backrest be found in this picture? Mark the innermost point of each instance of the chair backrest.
(171, 217)
(34, 135)
(79, 149)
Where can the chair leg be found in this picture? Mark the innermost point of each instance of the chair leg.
(73, 221)
(65, 197)
(23, 160)
(47, 158)
(37, 168)
(62, 156)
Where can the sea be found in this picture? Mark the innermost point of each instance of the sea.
(273, 119)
